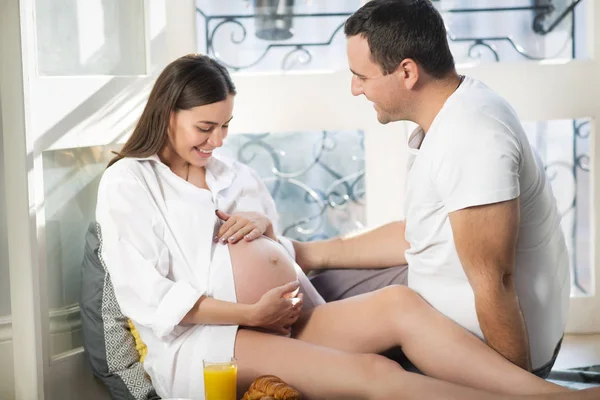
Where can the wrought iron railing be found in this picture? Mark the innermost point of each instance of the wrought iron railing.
(579, 166)
(545, 19)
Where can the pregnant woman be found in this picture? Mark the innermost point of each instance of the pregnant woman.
(190, 242)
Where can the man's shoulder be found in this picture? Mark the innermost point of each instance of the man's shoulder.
(475, 117)
(478, 108)
(479, 105)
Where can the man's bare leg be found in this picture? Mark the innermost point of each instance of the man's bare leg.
(397, 316)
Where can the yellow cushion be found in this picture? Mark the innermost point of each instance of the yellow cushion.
(139, 345)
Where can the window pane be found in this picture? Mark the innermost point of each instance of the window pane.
(90, 37)
(272, 35)
(316, 178)
(564, 146)
(71, 180)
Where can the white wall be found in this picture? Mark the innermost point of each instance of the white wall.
(4, 277)
(6, 355)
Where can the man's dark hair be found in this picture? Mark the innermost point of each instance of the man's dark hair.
(399, 29)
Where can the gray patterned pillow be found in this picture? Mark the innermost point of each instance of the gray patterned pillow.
(108, 342)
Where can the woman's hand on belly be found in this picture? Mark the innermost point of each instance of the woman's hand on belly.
(244, 225)
(259, 266)
(278, 309)
(266, 278)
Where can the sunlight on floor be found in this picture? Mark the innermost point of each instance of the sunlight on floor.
(579, 351)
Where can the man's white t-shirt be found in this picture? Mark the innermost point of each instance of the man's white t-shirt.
(475, 153)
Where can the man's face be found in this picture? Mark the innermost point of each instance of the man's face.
(387, 92)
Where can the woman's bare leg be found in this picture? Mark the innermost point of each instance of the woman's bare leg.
(396, 315)
(323, 373)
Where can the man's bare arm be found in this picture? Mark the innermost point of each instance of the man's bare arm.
(486, 240)
(378, 248)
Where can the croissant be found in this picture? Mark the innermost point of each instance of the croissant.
(269, 387)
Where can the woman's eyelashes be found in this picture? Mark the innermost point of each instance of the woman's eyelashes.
(208, 130)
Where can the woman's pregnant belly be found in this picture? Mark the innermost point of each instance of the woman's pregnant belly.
(259, 266)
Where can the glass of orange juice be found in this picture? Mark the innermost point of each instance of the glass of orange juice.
(220, 379)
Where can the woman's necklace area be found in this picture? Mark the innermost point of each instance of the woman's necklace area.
(187, 174)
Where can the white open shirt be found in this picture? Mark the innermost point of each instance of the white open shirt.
(157, 232)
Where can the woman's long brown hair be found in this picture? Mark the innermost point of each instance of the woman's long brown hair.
(190, 81)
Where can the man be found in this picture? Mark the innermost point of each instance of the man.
(482, 235)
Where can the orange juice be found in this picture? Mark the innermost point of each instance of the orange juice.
(220, 380)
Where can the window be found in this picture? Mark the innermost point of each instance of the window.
(71, 178)
(564, 147)
(91, 37)
(316, 178)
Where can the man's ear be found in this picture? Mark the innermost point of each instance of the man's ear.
(408, 72)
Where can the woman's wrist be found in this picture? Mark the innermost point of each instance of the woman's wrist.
(209, 311)
(241, 314)
(250, 317)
